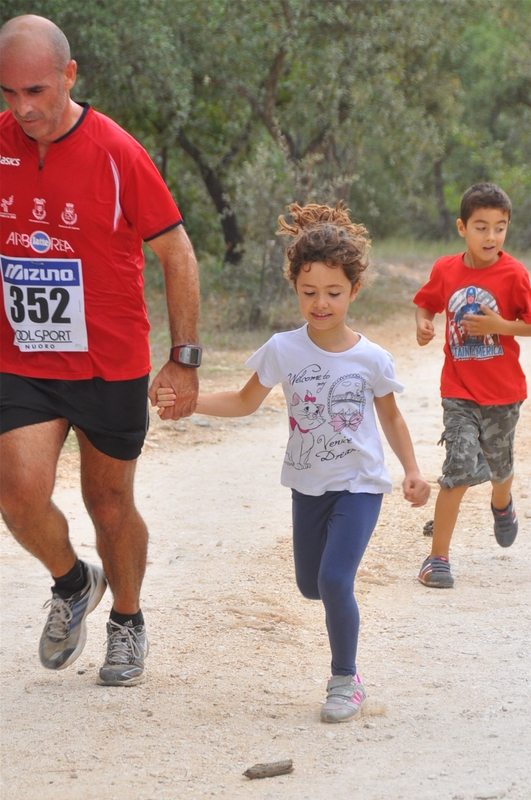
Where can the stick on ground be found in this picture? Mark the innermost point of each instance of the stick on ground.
(270, 769)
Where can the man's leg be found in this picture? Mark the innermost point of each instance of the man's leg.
(121, 534)
(28, 462)
(121, 538)
(28, 458)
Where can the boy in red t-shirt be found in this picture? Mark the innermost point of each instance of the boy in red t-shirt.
(486, 295)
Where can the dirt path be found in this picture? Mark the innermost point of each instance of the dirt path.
(239, 661)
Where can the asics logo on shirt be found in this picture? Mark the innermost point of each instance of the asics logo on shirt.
(7, 161)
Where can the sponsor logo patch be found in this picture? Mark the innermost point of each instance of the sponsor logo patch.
(40, 242)
(39, 210)
(5, 205)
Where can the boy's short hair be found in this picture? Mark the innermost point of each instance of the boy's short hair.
(484, 195)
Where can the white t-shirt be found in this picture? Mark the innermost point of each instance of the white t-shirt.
(334, 444)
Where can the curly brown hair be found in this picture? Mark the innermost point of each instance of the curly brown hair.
(326, 234)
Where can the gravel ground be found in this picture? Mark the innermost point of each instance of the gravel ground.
(239, 661)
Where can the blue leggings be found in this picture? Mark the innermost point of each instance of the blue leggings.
(330, 535)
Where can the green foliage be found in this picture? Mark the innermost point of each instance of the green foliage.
(246, 105)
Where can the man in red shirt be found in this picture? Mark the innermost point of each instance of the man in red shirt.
(79, 195)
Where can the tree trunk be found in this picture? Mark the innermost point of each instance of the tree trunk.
(444, 222)
(227, 216)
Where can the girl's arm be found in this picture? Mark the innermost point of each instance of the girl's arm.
(223, 404)
(416, 489)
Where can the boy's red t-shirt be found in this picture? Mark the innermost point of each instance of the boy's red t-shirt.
(486, 369)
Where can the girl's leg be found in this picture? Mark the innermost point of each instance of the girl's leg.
(350, 526)
(310, 524)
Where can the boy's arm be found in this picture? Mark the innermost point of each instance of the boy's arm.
(416, 489)
(490, 322)
(425, 328)
(223, 404)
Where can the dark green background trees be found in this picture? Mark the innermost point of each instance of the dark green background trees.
(393, 105)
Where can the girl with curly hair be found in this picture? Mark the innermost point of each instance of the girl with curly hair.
(335, 382)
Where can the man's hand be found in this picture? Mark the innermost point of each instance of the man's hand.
(184, 383)
(484, 324)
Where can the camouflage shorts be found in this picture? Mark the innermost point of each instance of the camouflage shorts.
(479, 442)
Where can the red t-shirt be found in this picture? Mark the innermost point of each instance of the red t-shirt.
(484, 369)
(71, 231)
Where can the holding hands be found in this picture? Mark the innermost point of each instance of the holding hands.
(174, 391)
(165, 398)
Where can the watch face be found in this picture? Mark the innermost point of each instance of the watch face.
(190, 355)
(187, 354)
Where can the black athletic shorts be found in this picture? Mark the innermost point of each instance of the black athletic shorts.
(113, 415)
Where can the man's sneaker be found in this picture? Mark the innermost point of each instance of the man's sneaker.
(345, 697)
(505, 525)
(127, 647)
(435, 572)
(65, 632)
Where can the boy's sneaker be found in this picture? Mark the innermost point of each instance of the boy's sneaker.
(505, 525)
(65, 632)
(345, 697)
(435, 572)
(127, 647)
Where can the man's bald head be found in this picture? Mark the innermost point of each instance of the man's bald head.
(31, 31)
(36, 76)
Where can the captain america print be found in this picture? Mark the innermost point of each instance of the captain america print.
(463, 345)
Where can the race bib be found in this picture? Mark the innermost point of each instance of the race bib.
(44, 303)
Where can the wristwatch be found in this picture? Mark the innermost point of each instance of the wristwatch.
(189, 355)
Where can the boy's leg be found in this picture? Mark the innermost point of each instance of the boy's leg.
(464, 466)
(497, 440)
(446, 513)
(503, 511)
(501, 494)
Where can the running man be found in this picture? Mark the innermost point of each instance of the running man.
(78, 197)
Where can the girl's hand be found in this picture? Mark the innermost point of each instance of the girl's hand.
(165, 399)
(416, 490)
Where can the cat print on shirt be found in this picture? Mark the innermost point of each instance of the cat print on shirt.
(304, 416)
(345, 406)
